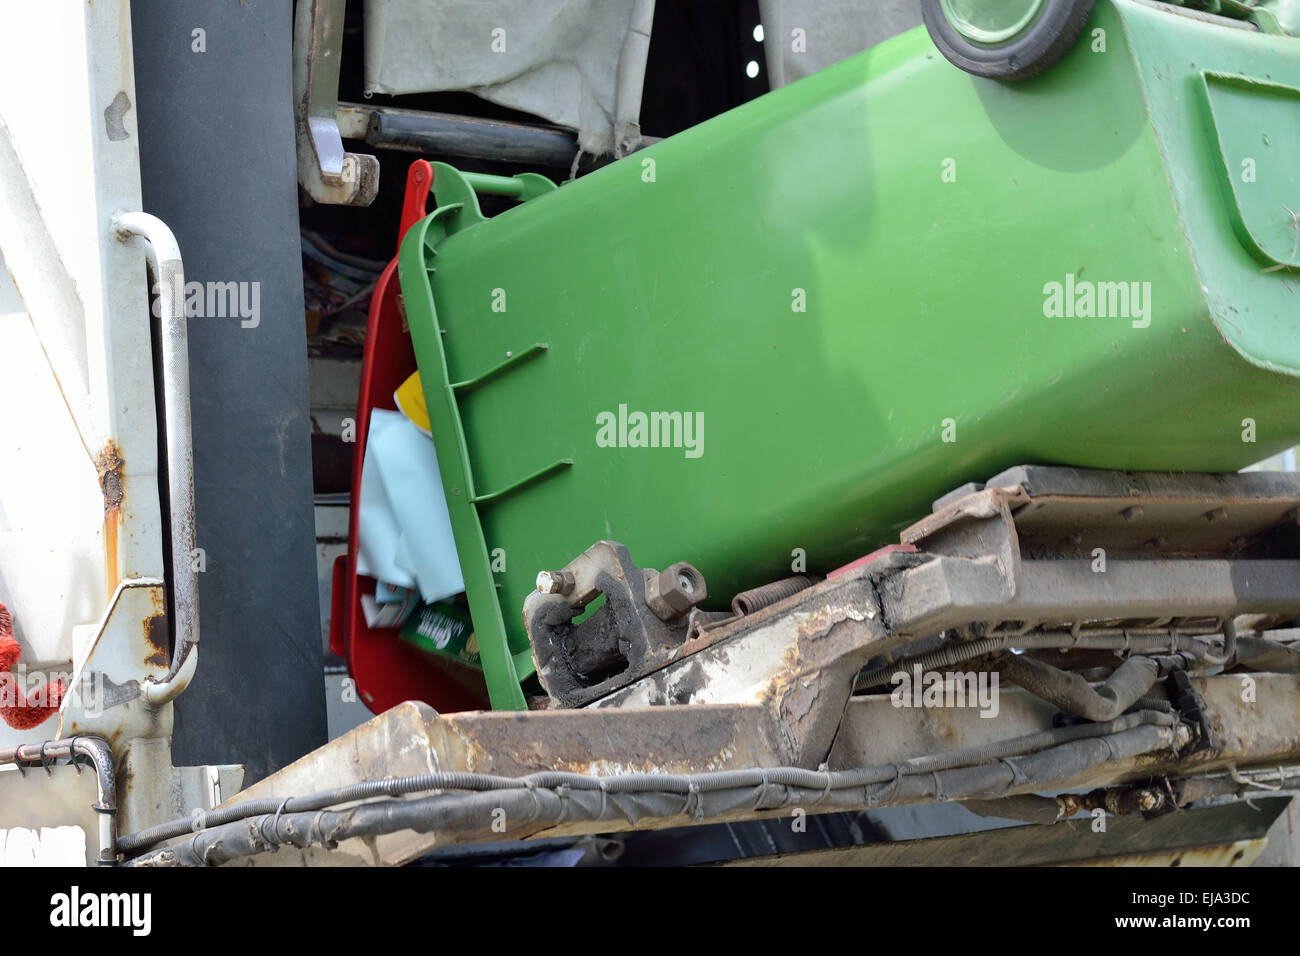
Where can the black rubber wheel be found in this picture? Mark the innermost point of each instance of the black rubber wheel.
(1043, 42)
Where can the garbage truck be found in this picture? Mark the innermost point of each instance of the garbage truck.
(699, 421)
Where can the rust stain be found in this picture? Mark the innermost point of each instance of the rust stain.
(155, 635)
(109, 465)
(125, 770)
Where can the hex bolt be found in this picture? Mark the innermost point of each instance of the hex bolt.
(674, 591)
(555, 582)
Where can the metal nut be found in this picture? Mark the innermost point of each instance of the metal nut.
(674, 591)
(555, 582)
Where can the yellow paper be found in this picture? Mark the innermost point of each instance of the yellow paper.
(410, 402)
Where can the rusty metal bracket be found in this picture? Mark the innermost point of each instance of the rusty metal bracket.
(636, 631)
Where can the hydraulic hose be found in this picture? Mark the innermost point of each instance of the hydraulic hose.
(1259, 654)
(1074, 695)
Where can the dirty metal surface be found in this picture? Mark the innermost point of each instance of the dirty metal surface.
(641, 626)
(965, 566)
(773, 688)
(967, 569)
(1262, 732)
(1072, 510)
(1232, 835)
(952, 592)
(1046, 481)
(608, 741)
(1024, 548)
(109, 467)
(151, 789)
(112, 660)
(411, 739)
(795, 659)
(1237, 853)
(396, 743)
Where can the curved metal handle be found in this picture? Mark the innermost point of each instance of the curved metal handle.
(165, 256)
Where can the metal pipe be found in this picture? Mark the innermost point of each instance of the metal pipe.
(442, 134)
(100, 754)
(168, 689)
(1229, 645)
(165, 257)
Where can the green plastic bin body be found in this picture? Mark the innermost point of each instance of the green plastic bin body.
(853, 283)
